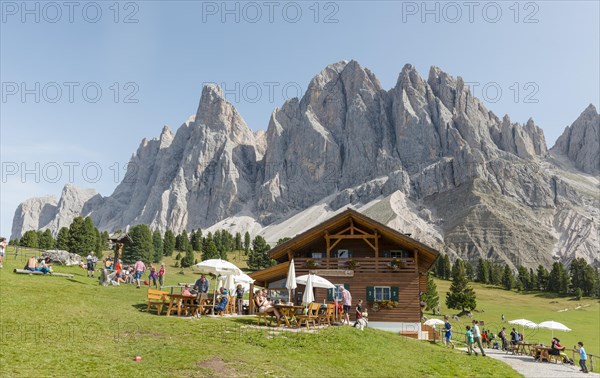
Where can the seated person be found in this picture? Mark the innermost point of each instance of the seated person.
(32, 264)
(558, 350)
(43, 267)
(222, 305)
(127, 276)
(186, 290)
(263, 305)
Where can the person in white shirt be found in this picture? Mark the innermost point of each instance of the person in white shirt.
(477, 336)
(347, 303)
(90, 260)
(2, 250)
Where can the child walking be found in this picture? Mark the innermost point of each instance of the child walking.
(469, 340)
(582, 358)
(161, 275)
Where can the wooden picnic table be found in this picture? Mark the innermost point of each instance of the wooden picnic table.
(181, 301)
(541, 352)
(289, 314)
(522, 348)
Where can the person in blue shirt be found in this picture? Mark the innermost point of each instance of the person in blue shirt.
(582, 358)
(224, 301)
(448, 334)
(200, 286)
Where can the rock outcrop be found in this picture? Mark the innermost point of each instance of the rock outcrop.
(61, 257)
(425, 157)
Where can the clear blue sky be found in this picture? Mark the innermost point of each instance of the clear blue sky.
(549, 48)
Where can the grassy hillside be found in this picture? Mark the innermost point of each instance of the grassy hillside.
(583, 316)
(54, 326)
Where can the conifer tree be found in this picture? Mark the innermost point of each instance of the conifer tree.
(62, 239)
(46, 241)
(168, 243)
(431, 295)
(508, 280)
(157, 243)
(461, 296)
(140, 247)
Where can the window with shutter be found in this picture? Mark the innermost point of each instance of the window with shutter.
(394, 293)
(370, 294)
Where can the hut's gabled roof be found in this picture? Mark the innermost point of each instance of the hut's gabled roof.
(427, 255)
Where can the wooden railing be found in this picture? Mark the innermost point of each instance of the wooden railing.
(359, 265)
(590, 358)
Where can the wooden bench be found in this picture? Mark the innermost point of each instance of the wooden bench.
(157, 298)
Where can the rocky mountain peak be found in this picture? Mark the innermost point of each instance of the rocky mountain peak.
(427, 151)
(166, 137)
(580, 142)
(219, 115)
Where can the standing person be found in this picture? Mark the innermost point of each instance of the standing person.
(153, 276)
(484, 337)
(347, 303)
(502, 318)
(2, 250)
(358, 313)
(161, 275)
(90, 263)
(469, 341)
(239, 298)
(201, 285)
(138, 268)
(503, 338)
(582, 358)
(448, 333)
(477, 336)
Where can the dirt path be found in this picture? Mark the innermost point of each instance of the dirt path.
(531, 369)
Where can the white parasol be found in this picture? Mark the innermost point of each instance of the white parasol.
(218, 267)
(290, 283)
(317, 281)
(554, 326)
(434, 322)
(308, 296)
(523, 323)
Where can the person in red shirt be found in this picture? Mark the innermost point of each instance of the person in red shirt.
(558, 350)
(161, 275)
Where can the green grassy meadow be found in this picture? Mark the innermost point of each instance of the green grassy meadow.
(54, 326)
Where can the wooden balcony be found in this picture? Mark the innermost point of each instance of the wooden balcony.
(363, 265)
